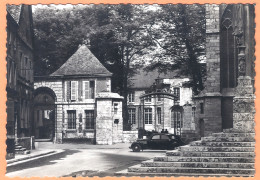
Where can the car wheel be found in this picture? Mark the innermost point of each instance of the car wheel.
(136, 148)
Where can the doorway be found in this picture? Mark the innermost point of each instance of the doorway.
(202, 128)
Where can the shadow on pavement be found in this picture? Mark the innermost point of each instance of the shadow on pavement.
(41, 161)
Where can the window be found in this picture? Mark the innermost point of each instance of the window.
(148, 99)
(193, 111)
(89, 119)
(131, 97)
(159, 115)
(228, 50)
(25, 68)
(148, 115)
(21, 63)
(116, 105)
(159, 98)
(132, 115)
(92, 89)
(156, 137)
(176, 119)
(73, 90)
(164, 137)
(71, 119)
(176, 91)
(201, 108)
(89, 89)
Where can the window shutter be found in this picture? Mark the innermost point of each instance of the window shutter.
(80, 91)
(86, 90)
(68, 90)
(73, 90)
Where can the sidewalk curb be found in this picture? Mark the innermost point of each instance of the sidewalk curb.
(17, 161)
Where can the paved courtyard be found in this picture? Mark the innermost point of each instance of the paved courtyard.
(90, 160)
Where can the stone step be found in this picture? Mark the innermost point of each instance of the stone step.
(231, 130)
(210, 154)
(205, 159)
(216, 149)
(221, 134)
(138, 169)
(229, 139)
(151, 163)
(144, 174)
(23, 152)
(222, 144)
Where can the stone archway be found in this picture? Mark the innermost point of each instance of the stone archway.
(44, 113)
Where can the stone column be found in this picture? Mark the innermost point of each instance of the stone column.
(243, 105)
(210, 97)
(109, 124)
(243, 102)
(58, 124)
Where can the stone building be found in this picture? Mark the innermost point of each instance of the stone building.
(230, 54)
(225, 109)
(76, 103)
(19, 76)
(161, 111)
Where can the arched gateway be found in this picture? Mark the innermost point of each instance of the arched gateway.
(44, 113)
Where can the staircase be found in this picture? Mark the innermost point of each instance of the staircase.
(229, 153)
(21, 150)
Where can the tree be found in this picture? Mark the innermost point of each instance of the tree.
(180, 31)
(120, 41)
(58, 33)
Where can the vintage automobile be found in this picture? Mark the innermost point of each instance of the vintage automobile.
(157, 141)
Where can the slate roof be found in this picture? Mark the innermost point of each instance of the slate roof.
(14, 11)
(143, 79)
(83, 63)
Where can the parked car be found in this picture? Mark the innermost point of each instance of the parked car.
(157, 141)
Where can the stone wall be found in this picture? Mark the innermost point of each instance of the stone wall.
(130, 136)
(212, 83)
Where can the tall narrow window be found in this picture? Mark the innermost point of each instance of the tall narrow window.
(92, 89)
(131, 97)
(21, 63)
(89, 89)
(159, 115)
(71, 119)
(201, 108)
(228, 54)
(193, 111)
(73, 90)
(159, 98)
(89, 119)
(176, 92)
(148, 99)
(25, 68)
(148, 115)
(132, 115)
(176, 119)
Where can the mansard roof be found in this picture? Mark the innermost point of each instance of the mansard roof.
(82, 63)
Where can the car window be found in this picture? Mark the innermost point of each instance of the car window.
(164, 137)
(156, 137)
